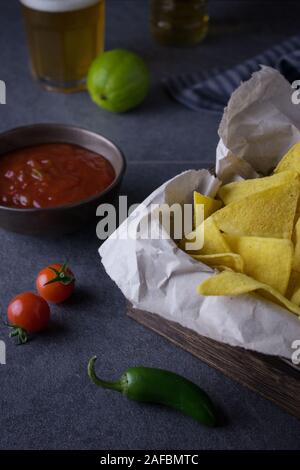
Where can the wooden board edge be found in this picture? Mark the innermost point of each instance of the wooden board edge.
(269, 376)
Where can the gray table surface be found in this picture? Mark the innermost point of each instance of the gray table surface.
(47, 401)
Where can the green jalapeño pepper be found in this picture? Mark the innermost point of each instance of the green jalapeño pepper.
(163, 387)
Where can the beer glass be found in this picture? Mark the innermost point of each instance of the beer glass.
(64, 36)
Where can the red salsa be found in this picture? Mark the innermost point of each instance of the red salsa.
(52, 175)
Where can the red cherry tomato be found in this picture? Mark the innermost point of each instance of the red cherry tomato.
(55, 283)
(27, 313)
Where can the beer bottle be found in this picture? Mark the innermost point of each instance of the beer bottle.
(179, 22)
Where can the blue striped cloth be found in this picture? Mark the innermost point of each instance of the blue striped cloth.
(212, 90)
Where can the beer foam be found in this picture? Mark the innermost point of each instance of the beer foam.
(55, 6)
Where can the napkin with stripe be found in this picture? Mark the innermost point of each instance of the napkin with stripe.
(212, 90)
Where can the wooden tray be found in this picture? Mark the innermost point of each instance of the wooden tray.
(271, 377)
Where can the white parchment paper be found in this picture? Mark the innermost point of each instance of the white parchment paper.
(258, 127)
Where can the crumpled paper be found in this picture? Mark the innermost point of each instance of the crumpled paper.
(259, 125)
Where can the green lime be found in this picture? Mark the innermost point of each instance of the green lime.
(118, 80)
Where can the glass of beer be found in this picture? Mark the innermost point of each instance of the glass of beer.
(64, 37)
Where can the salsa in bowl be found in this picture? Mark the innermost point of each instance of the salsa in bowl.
(53, 177)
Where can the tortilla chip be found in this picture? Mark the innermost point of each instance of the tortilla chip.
(296, 296)
(214, 241)
(235, 191)
(290, 161)
(221, 261)
(293, 290)
(221, 267)
(268, 260)
(210, 206)
(296, 240)
(269, 213)
(230, 284)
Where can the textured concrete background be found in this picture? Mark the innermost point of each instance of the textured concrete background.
(47, 401)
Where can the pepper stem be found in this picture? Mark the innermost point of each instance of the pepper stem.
(117, 385)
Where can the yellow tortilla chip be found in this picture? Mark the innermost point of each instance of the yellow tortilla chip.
(213, 240)
(223, 260)
(235, 191)
(296, 296)
(221, 267)
(292, 283)
(268, 260)
(210, 206)
(269, 213)
(230, 284)
(293, 290)
(296, 240)
(290, 161)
